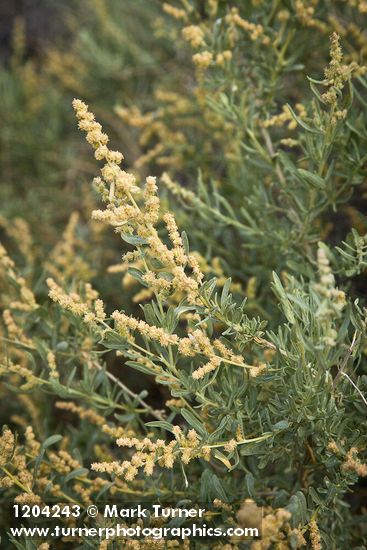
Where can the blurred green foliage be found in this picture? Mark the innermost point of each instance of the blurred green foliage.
(257, 128)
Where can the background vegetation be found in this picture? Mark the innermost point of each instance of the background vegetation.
(253, 117)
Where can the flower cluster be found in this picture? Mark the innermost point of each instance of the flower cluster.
(118, 188)
(16, 463)
(194, 35)
(89, 306)
(315, 536)
(255, 31)
(148, 453)
(333, 300)
(353, 463)
(64, 261)
(337, 75)
(26, 300)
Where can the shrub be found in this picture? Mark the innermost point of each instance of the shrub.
(248, 268)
